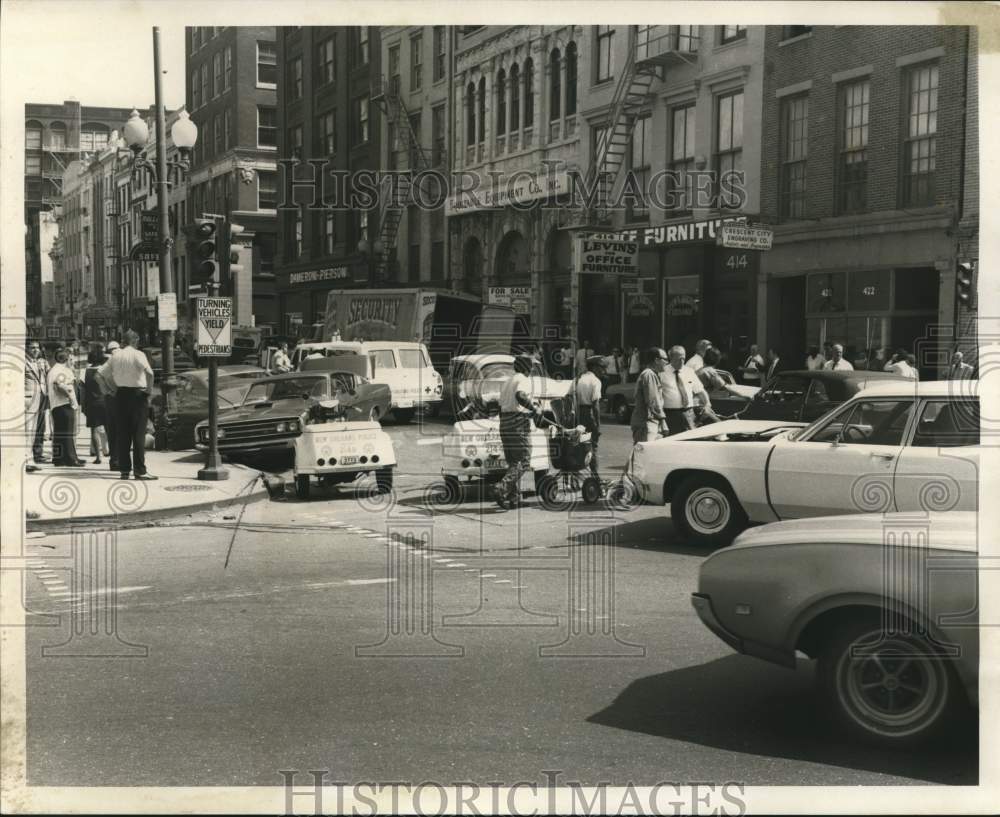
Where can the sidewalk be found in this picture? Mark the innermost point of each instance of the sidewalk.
(56, 497)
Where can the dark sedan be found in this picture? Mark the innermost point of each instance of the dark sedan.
(730, 399)
(804, 396)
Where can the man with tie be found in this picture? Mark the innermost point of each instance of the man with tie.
(774, 365)
(958, 370)
(36, 401)
(681, 388)
(752, 366)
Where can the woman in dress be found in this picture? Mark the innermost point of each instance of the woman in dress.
(93, 406)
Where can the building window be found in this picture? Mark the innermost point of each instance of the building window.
(413, 263)
(852, 176)
(794, 133)
(515, 98)
(571, 79)
(325, 65)
(439, 53)
(217, 127)
(729, 146)
(501, 92)
(57, 136)
(640, 156)
(293, 79)
(729, 34)
(414, 140)
(195, 91)
(437, 261)
(267, 65)
(605, 52)
(267, 127)
(481, 103)
(416, 63)
(87, 140)
(32, 136)
(325, 232)
(293, 234)
(787, 32)
(395, 83)
(361, 225)
(267, 190)
(392, 140)
(470, 114)
(438, 135)
(295, 141)
(195, 38)
(361, 46)
(228, 128)
(361, 120)
(686, 39)
(228, 59)
(326, 135)
(217, 74)
(529, 94)
(32, 165)
(204, 84)
(920, 147)
(555, 84)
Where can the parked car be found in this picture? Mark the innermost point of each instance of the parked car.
(898, 650)
(879, 451)
(731, 399)
(276, 407)
(477, 379)
(802, 396)
(187, 396)
(182, 362)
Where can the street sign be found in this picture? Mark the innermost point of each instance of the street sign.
(145, 251)
(166, 309)
(215, 327)
(607, 255)
(741, 237)
(517, 298)
(150, 222)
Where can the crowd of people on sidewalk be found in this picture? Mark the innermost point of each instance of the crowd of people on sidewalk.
(112, 393)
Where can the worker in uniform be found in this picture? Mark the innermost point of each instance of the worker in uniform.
(588, 398)
(516, 413)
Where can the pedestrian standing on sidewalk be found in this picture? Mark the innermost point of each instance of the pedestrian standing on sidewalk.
(836, 361)
(36, 400)
(648, 420)
(634, 365)
(682, 390)
(516, 412)
(108, 389)
(751, 368)
(588, 399)
(133, 378)
(62, 399)
(93, 406)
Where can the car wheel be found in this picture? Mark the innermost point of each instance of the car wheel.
(706, 510)
(403, 416)
(886, 687)
(302, 486)
(621, 411)
(592, 490)
(383, 479)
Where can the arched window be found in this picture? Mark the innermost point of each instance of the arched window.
(470, 102)
(570, 79)
(57, 136)
(501, 102)
(32, 135)
(93, 136)
(482, 109)
(555, 84)
(515, 98)
(529, 93)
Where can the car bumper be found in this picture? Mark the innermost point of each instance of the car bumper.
(703, 607)
(250, 447)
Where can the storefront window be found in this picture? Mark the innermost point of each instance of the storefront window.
(826, 292)
(869, 291)
(917, 288)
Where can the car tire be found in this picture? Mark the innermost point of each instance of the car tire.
(403, 416)
(302, 486)
(886, 688)
(383, 479)
(592, 490)
(621, 411)
(705, 509)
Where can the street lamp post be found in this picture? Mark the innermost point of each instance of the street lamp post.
(184, 134)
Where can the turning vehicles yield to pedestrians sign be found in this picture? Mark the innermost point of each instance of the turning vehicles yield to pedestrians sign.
(215, 327)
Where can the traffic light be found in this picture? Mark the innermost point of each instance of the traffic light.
(965, 281)
(203, 252)
(233, 251)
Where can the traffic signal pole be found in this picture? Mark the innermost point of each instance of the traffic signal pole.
(214, 470)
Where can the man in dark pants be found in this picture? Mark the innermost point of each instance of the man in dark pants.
(133, 378)
(36, 401)
(588, 399)
(516, 412)
(108, 390)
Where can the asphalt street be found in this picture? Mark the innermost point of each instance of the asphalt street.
(386, 639)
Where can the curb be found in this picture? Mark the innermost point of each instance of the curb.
(140, 518)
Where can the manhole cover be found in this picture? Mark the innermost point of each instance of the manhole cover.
(188, 488)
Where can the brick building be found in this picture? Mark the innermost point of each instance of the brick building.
(324, 79)
(866, 174)
(232, 98)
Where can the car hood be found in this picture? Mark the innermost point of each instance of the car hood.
(747, 392)
(728, 427)
(955, 530)
(279, 408)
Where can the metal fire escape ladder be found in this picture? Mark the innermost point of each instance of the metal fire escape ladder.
(396, 192)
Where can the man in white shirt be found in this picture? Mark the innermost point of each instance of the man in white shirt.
(61, 383)
(516, 411)
(281, 363)
(837, 363)
(682, 389)
(901, 365)
(697, 360)
(815, 359)
(582, 354)
(588, 399)
(132, 375)
(634, 366)
(752, 366)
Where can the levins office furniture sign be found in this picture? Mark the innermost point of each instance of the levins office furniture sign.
(607, 255)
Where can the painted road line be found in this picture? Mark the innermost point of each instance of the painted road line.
(370, 581)
(54, 580)
(374, 536)
(488, 576)
(430, 441)
(58, 593)
(445, 561)
(36, 535)
(45, 573)
(457, 564)
(502, 581)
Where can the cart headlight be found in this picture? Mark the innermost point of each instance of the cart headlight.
(280, 427)
(471, 451)
(222, 433)
(293, 425)
(203, 434)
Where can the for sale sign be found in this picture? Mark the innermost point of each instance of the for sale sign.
(517, 298)
(215, 327)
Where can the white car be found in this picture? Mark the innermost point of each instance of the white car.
(896, 447)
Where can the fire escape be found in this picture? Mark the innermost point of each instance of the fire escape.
(396, 191)
(652, 49)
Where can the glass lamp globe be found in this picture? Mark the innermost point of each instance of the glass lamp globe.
(136, 131)
(184, 132)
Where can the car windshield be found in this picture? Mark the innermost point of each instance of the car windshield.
(497, 371)
(286, 388)
(412, 359)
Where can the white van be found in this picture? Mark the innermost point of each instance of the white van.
(405, 367)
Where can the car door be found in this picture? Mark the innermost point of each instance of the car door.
(724, 401)
(844, 465)
(385, 370)
(821, 397)
(939, 469)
